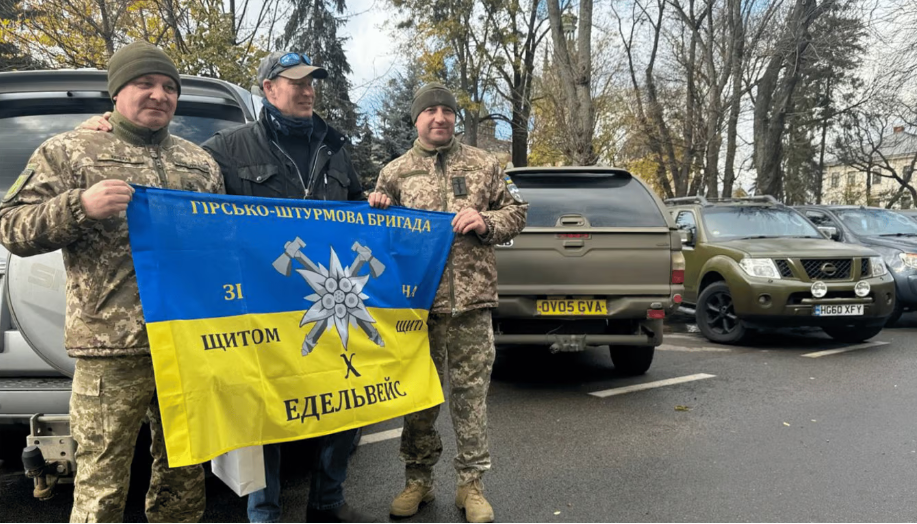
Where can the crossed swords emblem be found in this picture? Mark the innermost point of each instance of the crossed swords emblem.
(338, 292)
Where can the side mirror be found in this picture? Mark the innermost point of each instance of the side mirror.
(830, 232)
(687, 237)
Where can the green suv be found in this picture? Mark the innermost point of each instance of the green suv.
(754, 263)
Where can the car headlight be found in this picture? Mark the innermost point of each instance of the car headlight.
(760, 267)
(877, 267)
(909, 259)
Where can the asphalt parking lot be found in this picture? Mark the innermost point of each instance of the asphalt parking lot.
(794, 427)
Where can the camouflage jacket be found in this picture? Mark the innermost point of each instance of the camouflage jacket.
(452, 178)
(42, 212)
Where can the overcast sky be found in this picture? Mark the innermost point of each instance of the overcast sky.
(371, 49)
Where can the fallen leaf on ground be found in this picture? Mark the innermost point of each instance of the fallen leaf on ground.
(682, 408)
(786, 424)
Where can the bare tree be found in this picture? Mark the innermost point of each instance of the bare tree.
(518, 30)
(870, 141)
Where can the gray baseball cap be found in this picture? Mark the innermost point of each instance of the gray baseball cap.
(288, 64)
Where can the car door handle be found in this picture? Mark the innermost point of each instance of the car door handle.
(573, 244)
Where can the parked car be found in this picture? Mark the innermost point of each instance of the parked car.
(598, 263)
(754, 263)
(35, 369)
(890, 233)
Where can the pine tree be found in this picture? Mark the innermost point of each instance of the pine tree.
(397, 132)
(313, 30)
(363, 156)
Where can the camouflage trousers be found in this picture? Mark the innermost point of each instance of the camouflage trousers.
(111, 397)
(463, 344)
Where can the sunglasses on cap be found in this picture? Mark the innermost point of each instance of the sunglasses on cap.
(289, 60)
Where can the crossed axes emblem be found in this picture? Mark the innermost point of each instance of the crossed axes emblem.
(338, 297)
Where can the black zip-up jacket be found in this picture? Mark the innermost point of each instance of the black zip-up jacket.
(254, 164)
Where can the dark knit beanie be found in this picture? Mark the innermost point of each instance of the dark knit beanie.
(432, 94)
(138, 59)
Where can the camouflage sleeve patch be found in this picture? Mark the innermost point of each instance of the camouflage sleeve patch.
(20, 182)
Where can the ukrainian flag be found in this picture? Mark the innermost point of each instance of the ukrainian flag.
(273, 320)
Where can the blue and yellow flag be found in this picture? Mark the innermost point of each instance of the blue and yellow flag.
(273, 320)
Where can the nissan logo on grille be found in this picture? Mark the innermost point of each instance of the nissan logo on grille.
(828, 268)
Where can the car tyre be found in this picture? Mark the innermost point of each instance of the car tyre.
(716, 317)
(852, 334)
(632, 360)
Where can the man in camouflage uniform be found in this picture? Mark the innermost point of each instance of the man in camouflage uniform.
(441, 174)
(72, 196)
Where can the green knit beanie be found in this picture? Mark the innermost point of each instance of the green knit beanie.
(138, 59)
(432, 94)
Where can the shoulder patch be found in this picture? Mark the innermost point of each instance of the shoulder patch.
(513, 190)
(20, 182)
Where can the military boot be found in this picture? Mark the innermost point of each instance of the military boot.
(407, 503)
(470, 497)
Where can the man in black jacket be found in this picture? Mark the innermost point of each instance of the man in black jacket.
(290, 152)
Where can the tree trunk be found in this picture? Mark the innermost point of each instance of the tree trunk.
(737, 32)
(775, 94)
(575, 70)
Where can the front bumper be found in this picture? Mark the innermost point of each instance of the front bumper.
(790, 301)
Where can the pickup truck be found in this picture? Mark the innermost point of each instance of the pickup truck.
(599, 263)
(35, 369)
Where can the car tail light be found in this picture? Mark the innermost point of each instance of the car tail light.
(678, 268)
(655, 314)
(574, 235)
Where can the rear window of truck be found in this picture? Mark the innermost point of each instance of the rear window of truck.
(605, 201)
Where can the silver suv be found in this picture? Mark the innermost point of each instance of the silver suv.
(35, 370)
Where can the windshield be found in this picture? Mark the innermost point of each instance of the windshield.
(877, 222)
(733, 223)
(605, 201)
(20, 136)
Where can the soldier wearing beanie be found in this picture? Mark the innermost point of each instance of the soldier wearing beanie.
(441, 174)
(72, 196)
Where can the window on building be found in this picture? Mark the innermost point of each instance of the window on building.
(877, 179)
(851, 178)
(835, 180)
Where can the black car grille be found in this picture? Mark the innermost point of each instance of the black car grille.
(865, 269)
(828, 269)
(784, 268)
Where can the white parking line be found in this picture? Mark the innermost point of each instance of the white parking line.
(650, 385)
(825, 353)
(379, 437)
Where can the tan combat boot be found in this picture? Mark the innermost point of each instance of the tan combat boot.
(407, 503)
(470, 497)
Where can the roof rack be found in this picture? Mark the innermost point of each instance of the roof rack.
(688, 200)
(764, 199)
